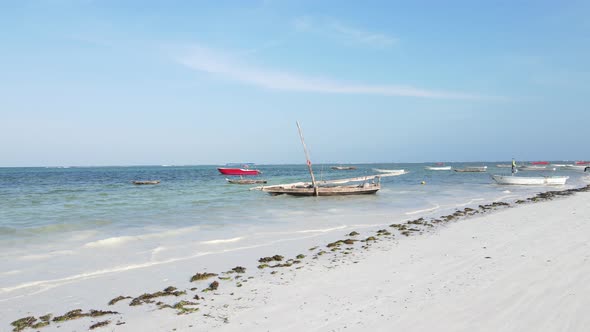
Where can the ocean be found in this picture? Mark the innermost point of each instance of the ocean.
(61, 224)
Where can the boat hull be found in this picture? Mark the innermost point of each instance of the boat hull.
(473, 169)
(238, 171)
(324, 191)
(437, 168)
(538, 181)
(245, 181)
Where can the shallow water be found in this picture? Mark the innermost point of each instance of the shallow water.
(78, 222)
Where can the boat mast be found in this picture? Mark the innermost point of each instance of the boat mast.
(315, 187)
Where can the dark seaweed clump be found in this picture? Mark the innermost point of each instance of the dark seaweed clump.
(148, 297)
(203, 276)
(99, 324)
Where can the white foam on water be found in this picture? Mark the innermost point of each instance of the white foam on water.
(470, 202)
(234, 239)
(424, 210)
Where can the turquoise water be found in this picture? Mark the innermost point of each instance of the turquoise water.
(43, 202)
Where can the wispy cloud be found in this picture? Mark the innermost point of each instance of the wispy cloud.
(343, 31)
(225, 65)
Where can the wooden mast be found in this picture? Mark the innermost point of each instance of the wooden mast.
(315, 187)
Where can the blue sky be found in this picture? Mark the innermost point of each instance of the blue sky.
(210, 82)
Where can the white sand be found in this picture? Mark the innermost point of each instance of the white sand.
(518, 269)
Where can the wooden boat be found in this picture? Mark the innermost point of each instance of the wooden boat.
(389, 171)
(245, 181)
(536, 168)
(522, 180)
(472, 169)
(144, 182)
(324, 188)
(238, 171)
(343, 168)
(437, 168)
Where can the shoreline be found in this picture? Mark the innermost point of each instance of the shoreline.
(236, 287)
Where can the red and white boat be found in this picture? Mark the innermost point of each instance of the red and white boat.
(238, 171)
(582, 162)
(539, 163)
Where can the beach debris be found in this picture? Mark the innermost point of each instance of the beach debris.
(313, 248)
(239, 269)
(77, 313)
(353, 233)
(119, 298)
(99, 324)
(383, 232)
(300, 256)
(277, 258)
(203, 276)
(183, 310)
(212, 286)
(148, 297)
(23, 323)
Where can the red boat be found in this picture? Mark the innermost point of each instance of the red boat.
(539, 163)
(238, 171)
(582, 162)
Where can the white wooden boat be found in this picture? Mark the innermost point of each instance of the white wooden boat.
(389, 171)
(324, 188)
(472, 169)
(536, 168)
(343, 168)
(539, 181)
(437, 168)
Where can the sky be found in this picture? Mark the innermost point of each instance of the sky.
(212, 82)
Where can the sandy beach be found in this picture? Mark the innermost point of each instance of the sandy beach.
(494, 268)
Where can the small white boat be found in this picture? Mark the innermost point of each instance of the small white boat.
(558, 165)
(575, 167)
(437, 168)
(389, 171)
(539, 181)
(536, 168)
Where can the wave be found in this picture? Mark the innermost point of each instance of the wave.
(235, 239)
(471, 201)
(424, 210)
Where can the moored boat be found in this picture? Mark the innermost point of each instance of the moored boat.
(324, 188)
(389, 171)
(343, 168)
(238, 171)
(575, 167)
(437, 168)
(522, 180)
(145, 182)
(472, 169)
(245, 181)
(539, 163)
(536, 168)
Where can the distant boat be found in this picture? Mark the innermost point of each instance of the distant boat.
(144, 182)
(244, 181)
(238, 171)
(324, 188)
(389, 171)
(583, 163)
(521, 180)
(506, 166)
(539, 163)
(472, 169)
(437, 168)
(343, 168)
(575, 167)
(536, 168)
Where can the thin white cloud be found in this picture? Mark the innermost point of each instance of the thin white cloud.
(337, 29)
(222, 64)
